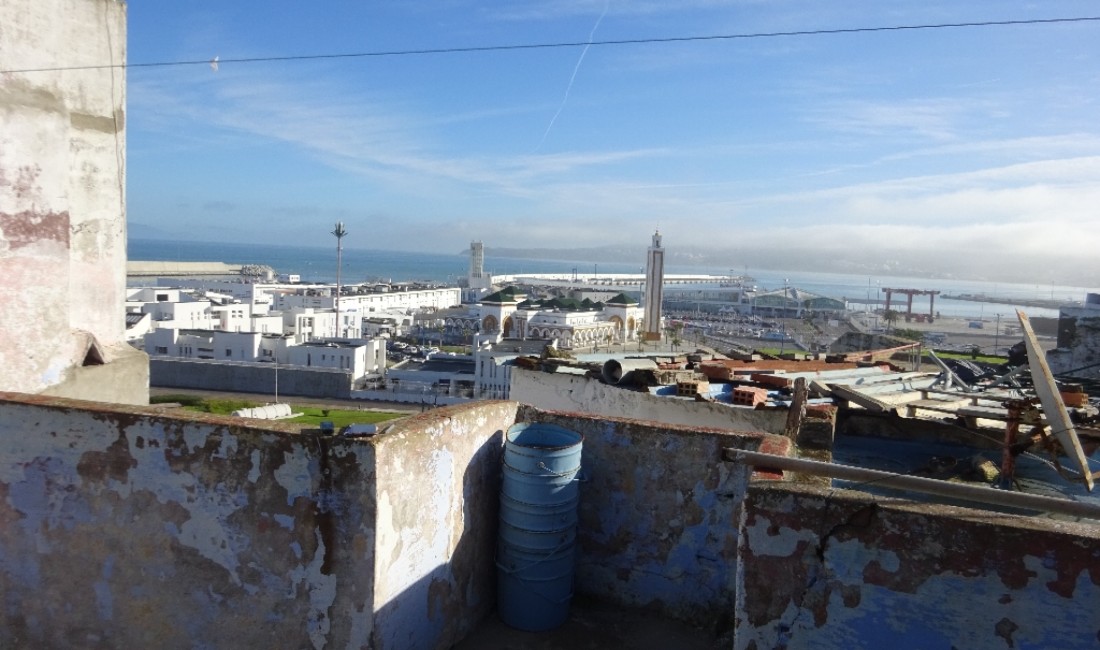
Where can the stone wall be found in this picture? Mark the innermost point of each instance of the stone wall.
(822, 568)
(579, 394)
(62, 200)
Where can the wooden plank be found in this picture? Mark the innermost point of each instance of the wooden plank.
(938, 405)
(1053, 407)
(866, 401)
(797, 411)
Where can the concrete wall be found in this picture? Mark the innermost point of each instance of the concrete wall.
(62, 195)
(1078, 351)
(125, 528)
(822, 568)
(578, 394)
(658, 515)
(438, 486)
(249, 377)
(121, 527)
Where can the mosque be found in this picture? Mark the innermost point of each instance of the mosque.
(510, 314)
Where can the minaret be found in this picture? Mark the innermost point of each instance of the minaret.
(654, 289)
(477, 263)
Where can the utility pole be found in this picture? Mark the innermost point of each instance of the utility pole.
(997, 336)
(339, 232)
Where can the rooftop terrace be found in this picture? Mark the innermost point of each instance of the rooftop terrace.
(125, 527)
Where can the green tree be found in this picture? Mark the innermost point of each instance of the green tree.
(674, 332)
(890, 317)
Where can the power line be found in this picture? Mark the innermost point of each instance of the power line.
(546, 46)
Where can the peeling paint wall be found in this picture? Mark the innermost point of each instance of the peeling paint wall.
(438, 493)
(658, 515)
(822, 568)
(122, 529)
(62, 194)
(576, 394)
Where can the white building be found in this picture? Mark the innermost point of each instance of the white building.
(365, 299)
(171, 308)
(361, 358)
(508, 314)
(258, 294)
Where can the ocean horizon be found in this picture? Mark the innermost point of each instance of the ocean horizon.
(317, 264)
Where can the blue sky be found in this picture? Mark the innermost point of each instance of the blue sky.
(964, 141)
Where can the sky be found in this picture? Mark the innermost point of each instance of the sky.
(905, 147)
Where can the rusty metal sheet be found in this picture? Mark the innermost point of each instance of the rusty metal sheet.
(1053, 406)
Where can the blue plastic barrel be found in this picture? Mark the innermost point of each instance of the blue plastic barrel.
(541, 463)
(539, 516)
(538, 525)
(534, 588)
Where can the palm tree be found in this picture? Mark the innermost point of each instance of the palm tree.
(673, 332)
(339, 232)
(890, 317)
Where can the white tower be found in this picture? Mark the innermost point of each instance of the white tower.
(477, 261)
(654, 289)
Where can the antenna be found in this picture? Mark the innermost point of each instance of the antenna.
(339, 233)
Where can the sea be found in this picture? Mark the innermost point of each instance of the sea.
(317, 264)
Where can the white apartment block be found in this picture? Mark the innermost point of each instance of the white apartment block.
(361, 358)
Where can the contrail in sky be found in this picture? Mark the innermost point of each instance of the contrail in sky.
(591, 36)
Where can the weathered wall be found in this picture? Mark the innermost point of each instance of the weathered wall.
(249, 377)
(125, 528)
(438, 489)
(658, 515)
(822, 568)
(1078, 351)
(563, 392)
(62, 193)
(122, 529)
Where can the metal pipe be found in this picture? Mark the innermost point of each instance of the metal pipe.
(618, 371)
(916, 484)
